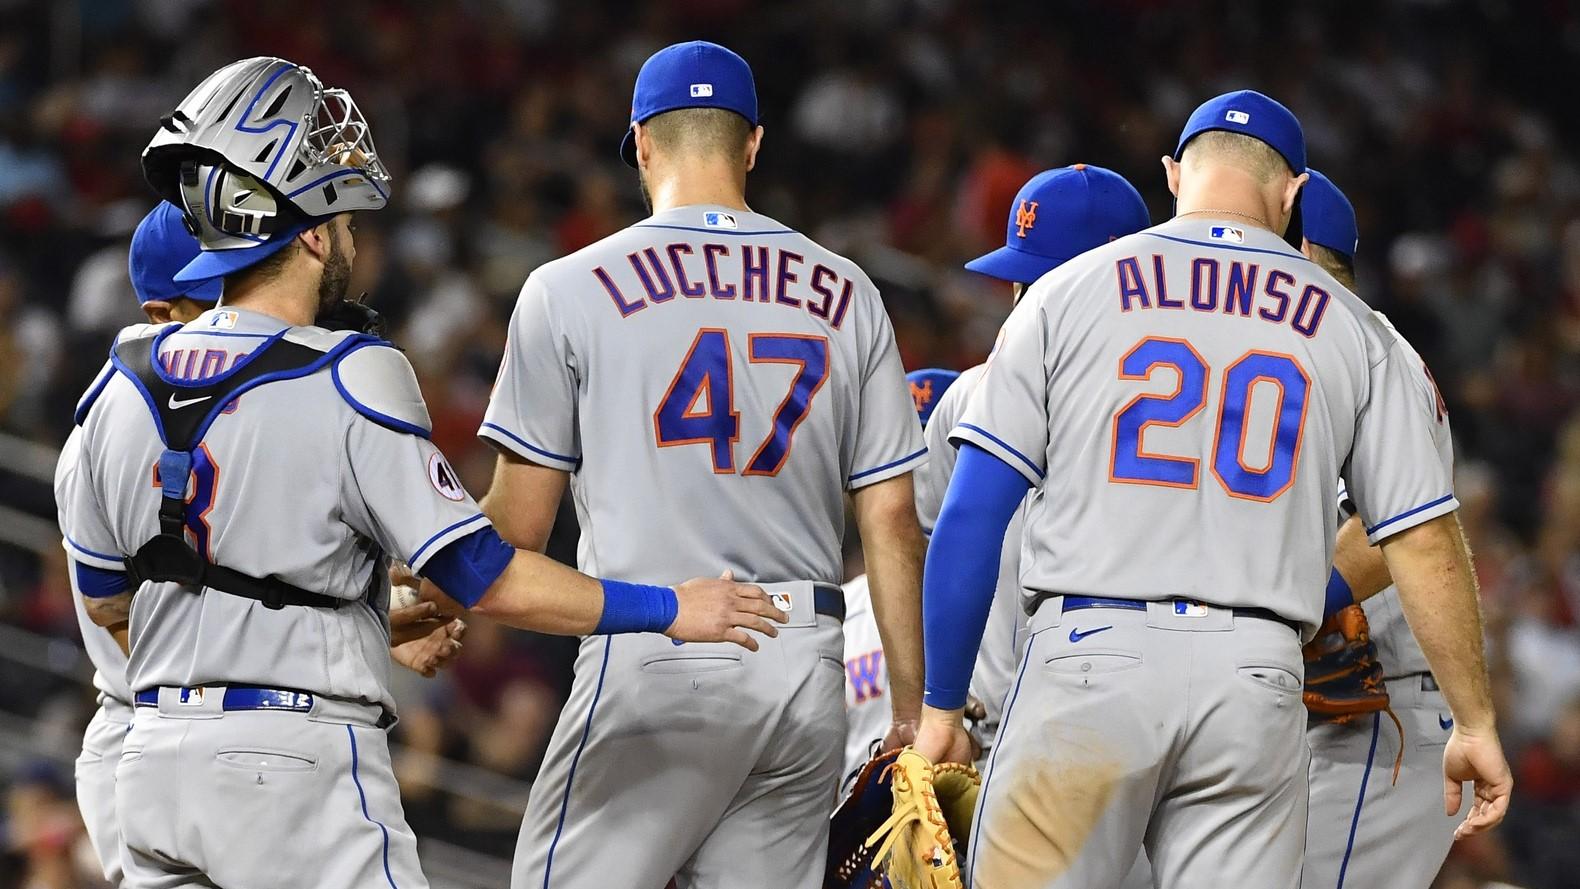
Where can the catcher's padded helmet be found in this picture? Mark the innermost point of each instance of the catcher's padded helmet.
(275, 122)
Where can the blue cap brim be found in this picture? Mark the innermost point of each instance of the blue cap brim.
(212, 265)
(1015, 266)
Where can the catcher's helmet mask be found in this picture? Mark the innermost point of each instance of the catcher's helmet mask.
(259, 151)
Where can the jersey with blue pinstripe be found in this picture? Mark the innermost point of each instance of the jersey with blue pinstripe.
(715, 382)
(293, 482)
(1185, 400)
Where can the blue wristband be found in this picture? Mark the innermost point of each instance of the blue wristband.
(1340, 596)
(636, 608)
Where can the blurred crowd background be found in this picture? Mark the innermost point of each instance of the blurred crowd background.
(897, 133)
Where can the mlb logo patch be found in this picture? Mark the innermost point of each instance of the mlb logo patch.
(716, 219)
(780, 601)
(701, 90)
(1239, 117)
(1190, 609)
(1228, 233)
(191, 697)
(222, 320)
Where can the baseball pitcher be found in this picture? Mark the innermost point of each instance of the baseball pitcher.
(237, 483)
(1183, 402)
(711, 384)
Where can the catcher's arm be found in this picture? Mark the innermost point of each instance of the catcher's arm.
(1430, 564)
(893, 546)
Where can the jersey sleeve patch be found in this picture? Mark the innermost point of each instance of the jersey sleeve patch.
(378, 382)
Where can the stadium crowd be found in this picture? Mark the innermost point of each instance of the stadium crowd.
(897, 132)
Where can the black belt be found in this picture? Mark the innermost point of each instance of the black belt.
(828, 600)
(1075, 603)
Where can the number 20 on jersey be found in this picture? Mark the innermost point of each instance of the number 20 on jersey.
(1262, 476)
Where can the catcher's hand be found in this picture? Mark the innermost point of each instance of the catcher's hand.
(933, 805)
(351, 314)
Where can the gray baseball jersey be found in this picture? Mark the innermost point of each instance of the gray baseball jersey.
(1367, 830)
(1183, 401)
(298, 481)
(1004, 638)
(715, 382)
(312, 479)
(1196, 380)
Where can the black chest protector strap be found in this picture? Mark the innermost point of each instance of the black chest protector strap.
(183, 413)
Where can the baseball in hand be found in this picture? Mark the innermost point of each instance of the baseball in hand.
(403, 596)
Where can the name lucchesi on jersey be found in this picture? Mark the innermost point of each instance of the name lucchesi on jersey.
(1232, 287)
(749, 273)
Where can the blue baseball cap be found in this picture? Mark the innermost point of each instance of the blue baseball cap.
(212, 265)
(1252, 114)
(927, 389)
(161, 247)
(1328, 216)
(1060, 214)
(698, 74)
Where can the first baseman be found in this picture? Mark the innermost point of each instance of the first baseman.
(711, 384)
(1369, 826)
(1183, 402)
(237, 484)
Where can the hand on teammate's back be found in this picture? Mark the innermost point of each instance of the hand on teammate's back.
(721, 610)
(1477, 758)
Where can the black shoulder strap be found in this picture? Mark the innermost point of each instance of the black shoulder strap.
(183, 411)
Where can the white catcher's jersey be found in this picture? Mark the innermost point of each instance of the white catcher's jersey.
(1005, 635)
(1397, 649)
(290, 481)
(867, 694)
(1184, 400)
(109, 662)
(714, 382)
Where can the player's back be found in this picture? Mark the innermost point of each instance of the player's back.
(1204, 385)
(716, 382)
(275, 491)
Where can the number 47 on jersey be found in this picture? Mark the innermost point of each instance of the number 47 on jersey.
(699, 406)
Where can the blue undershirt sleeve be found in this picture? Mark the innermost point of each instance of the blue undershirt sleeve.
(962, 569)
(467, 566)
(99, 583)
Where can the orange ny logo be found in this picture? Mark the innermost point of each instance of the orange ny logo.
(1025, 217)
(922, 395)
